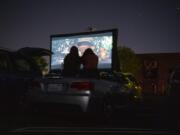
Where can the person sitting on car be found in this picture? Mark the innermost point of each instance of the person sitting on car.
(90, 62)
(72, 62)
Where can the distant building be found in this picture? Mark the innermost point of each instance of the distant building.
(155, 70)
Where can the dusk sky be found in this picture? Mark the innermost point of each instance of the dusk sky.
(146, 26)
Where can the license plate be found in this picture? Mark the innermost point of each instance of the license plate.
(55, 87)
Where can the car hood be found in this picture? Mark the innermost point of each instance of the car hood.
(31, 51)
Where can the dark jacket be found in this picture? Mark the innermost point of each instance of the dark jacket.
(90, 63)
(71, 64)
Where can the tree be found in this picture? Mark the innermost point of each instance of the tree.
(42, 63)
(129, 62)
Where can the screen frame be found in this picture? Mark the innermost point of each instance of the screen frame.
(115, 59)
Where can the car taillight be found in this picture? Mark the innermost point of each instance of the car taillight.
(82, 85)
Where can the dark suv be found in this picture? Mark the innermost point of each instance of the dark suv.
(17, 71)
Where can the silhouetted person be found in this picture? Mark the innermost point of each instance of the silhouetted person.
(72, 62)
(90, 63)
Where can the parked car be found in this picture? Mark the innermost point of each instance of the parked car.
(17, 72)
(101, 94)
(128, 82)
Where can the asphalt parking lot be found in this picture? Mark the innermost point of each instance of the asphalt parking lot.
(149, 115)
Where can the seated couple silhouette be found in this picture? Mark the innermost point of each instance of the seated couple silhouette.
(73, 62)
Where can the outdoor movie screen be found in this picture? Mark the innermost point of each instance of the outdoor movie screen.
(100, 43)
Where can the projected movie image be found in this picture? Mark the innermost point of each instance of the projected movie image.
(101, 44)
